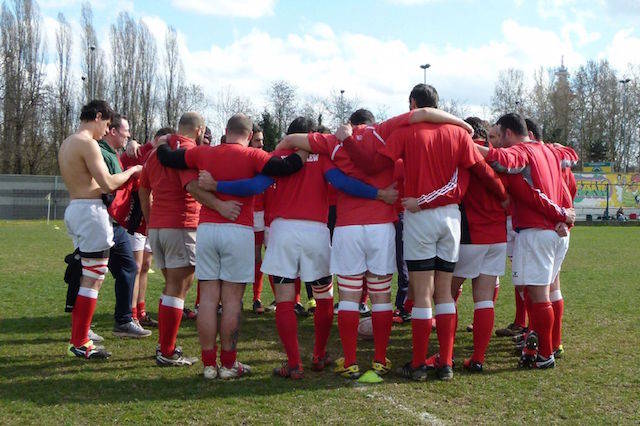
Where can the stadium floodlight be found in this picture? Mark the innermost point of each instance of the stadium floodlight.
(424, 68)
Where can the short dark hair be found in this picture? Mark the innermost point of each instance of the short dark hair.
(164, 131)
(362, 116)
(424, 96)
(301, 125)
(90, 111)
(257, 128)
(116, 121)
(514, 122)
(322, 129)
(534, 128)
(190, 121)
(239, 124)
(208, 136)
(223, 138)
(480, 127)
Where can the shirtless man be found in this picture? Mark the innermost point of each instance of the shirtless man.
(86, 176)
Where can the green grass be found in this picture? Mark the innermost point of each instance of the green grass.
(596, 382)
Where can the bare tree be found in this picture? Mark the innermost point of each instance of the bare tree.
(340, 107)
(93, 64)
(23, 60)
(225, 104)
(147, 78)
(173, 78)
(509, 94)
(283, 103)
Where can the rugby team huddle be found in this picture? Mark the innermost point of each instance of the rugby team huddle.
(463, 195)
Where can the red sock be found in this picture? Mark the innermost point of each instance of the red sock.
(227, 358)
(558, 311)
(446, 329)
(141, 310)
(287, 325)
(457, 295)
(170, 315)
(257, 282)
(198, 295)
(134, 313)
(209, 356)
(483, 318)
(82, 315)
(496, 290)
(521, 309)
(322, 321)
(420, 331)
(382, 320)
(542, 323)
(348, 329)
(160, 323)
(408, 305)
(297, 285)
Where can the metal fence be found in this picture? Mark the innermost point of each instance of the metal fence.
(32, 197)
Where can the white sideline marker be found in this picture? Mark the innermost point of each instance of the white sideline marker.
(423, 416)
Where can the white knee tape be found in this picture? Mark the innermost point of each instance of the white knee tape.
(379, 285)
(94, 268)
(350, 284)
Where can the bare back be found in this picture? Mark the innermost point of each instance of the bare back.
(78, 154)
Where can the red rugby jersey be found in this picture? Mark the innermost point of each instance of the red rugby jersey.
(228, 162)
(353, 210)
(436, 158)
(172, 206)
(302, 195)
(483, 218)
(540, 168)
(128, 162)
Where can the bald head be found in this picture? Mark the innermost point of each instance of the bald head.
(192, 125)
(239, 125)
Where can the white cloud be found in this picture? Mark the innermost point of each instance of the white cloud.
(236, 8)
(623, 49)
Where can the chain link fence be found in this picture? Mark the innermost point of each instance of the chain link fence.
(32, 197)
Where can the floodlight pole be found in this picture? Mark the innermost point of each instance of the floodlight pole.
(424, 69)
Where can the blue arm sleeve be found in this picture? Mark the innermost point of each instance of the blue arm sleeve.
(350, 185)
(245, 187)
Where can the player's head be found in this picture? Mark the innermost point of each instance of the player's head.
(257, 140)
(513, 129)
(533, 129)
(223, 139)
(191, 125)
(98, 115)
(480, 128)
(239, 129)
(301, 125)
(362, 116)
(118, 133)
(323, 129)
(162, 132)
(207, 137)
(423, 96)
(494, 136)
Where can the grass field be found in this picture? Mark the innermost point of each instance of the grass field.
(598, 380)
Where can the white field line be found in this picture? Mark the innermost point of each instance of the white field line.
(423, 416)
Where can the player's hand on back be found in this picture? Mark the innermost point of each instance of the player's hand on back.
(343, 132)
(206, 181)
(137, 169)
(562, 229)
(162, 140)
(411, 204)
(133, 149)
(570, 216)
(389, 194)
(505, 203)
(303, 155)
(229, 209)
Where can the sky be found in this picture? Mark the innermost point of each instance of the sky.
(373, 49)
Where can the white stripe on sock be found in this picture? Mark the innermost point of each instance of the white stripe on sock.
(421, 313)
(484, 304)
(348, 306)
(445, 308)
(172, 302)
(381, 307)
(88, 292)
(555, 296)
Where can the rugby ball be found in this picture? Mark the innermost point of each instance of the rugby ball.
(365, 328)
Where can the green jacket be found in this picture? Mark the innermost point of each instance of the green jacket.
(110, 157)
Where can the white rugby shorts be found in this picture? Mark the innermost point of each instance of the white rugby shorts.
(360, 248)
(89, 225)
(511, 237)
(139, 242)
(225, 251)
(297, 248)
(432, 233)
(485, 259)
(538, 256)
(258, 221)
